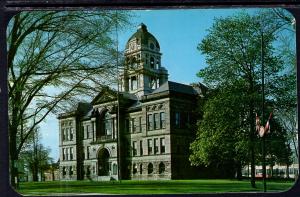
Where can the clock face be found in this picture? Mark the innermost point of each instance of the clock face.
(151, 46)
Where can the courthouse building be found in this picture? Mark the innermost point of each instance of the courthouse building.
(156, 123)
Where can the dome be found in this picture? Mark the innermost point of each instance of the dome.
(143, 36)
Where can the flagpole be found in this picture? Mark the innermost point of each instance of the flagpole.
(263, 112)
(118, 105)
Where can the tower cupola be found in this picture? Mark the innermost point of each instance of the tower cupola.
(142, 67)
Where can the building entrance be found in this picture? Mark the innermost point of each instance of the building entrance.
(103, 164)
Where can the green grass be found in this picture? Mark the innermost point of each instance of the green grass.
(150, 187)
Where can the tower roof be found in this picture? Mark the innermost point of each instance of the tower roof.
(143, 36)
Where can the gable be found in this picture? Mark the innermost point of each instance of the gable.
(106, 95)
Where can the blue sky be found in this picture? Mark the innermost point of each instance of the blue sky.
(178, 32)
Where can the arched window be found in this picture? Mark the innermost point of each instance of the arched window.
(150, 168)
(161, 168)
(134, 168)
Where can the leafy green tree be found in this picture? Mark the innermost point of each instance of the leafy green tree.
(235, 48)
(53, 58)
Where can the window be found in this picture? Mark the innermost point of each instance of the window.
(141, 168)
(153, 83)
(64, 153)
(134, 168)
(150, 168)
(94, 170)
(71, 171)
(162, 120)
(150, 122)
(71, 153)
(134, 63)
(140, 124)
(88, 171)
(157, 64)
(162, 145)
(156, 121)
(68, 134)
(134, 149)
(161, 168)
(88, 132)
(151, 46)
(108, 124)
(133, 125)
(64, 171)
(115, 169)
(64, 135)
(87, 152)
(108, 127)
(71, 133)
(141, 147)
(67, 153)
(150, 147)
(134, 83)
(177, 119)
(155, 145)
(151, 62)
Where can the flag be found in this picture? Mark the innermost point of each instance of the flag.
(267, 127)
(257, 122)
(261, 131)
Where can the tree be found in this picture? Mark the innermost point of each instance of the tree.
(53, 57)
(286, 90)
(233, 49)
(36, 157)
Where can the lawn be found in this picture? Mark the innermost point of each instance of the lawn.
(149, 187)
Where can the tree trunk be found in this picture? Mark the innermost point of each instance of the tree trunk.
(13, 157)
(287, 171)
(271, 168)
(52, 173)
(239, 171)
(35, 170)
